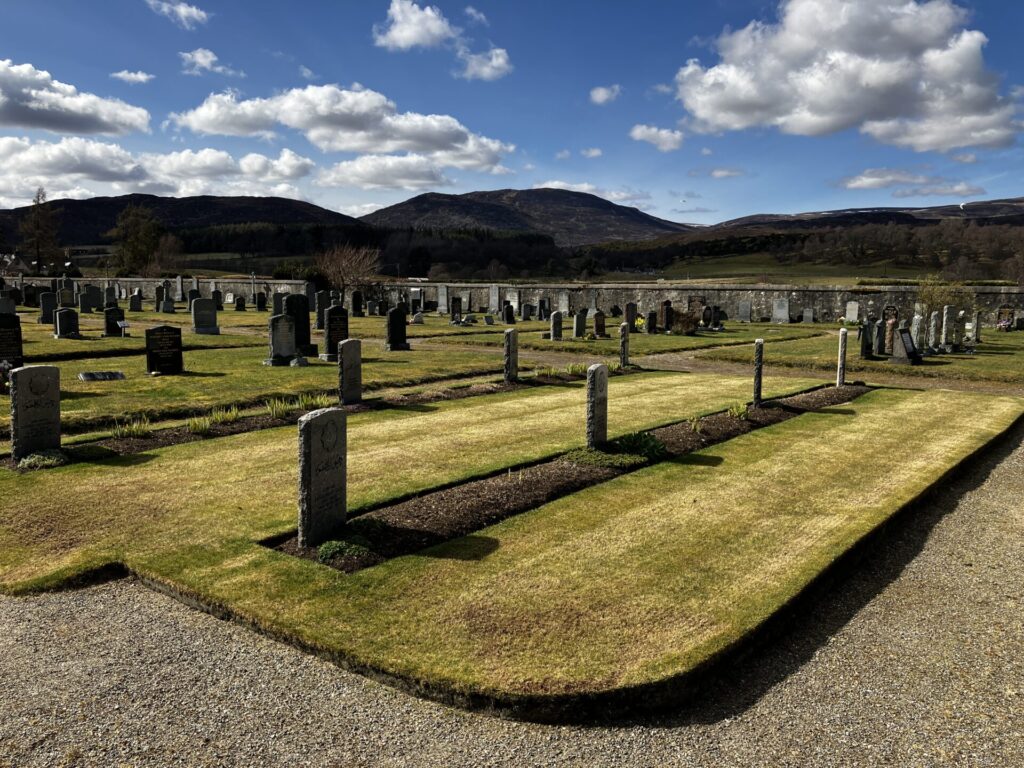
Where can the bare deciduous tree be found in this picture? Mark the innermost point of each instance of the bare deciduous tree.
(347, 266)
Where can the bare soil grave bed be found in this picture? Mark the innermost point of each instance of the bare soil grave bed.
(424, 521)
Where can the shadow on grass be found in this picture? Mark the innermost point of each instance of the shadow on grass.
(795, 634)
(201, 374)
(95, 454)
(698, 459)
(472, 547)
(80, 395)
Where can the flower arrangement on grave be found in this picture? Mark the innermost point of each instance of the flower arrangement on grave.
(1003, 325)
(639, 322)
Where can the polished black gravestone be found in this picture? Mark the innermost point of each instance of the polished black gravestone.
(163, 350)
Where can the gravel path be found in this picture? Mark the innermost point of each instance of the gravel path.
(914, 661)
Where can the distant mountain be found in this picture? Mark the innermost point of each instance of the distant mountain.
(571, 218)
(85, 222)
(1009, 211)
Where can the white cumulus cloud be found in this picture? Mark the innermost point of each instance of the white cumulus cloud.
(665, 139)
(489, 65)
(184, 15)
(591, 152)
(902, 71)
(476, 16)
(880, 178)
(132, 78)
(31, 98)
(203, 60)
(605, 94)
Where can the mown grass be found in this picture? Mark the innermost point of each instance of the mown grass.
(625, 583)
(192, 495)
(1000, 357)
(643, 343)
(224, 377)
(751, 268)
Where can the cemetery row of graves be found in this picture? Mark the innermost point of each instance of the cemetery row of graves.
(644, 566)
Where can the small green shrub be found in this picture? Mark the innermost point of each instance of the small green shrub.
(199, 425)
(739, 411)
(134, 427)
(278, 408)
(44, 460)
(576, 369)
(641, 444)
(594, 458)
(696, 424)
(310, 402)
(353, 546)
(224, 415)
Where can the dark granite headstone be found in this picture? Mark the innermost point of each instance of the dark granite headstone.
(335, 331)
(652, 322)
(101, 376)
(11, 345)
(111, 318)
(297, 306)
(357, 303)
(903, 350)
(396, 338)
(508, 315)
(261, 302)
(163, 350)
(66, 324)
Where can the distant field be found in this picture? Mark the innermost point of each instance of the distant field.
(753, 268)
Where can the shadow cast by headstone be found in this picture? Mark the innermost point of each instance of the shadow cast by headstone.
(698, 460)
(837, 412)
(467, 548)
(793, 636)
(95, 454)
(200, 374)
(79, 395)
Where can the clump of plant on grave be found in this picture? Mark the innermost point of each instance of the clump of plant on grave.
(696, 424)
(350, 546)
(44, 460)
(637, 449)
(641, 444)
(224, 415)
(278, 408)
(310, 402)
(200, 425)
(576, 369)
(739, 411)
(136, 426)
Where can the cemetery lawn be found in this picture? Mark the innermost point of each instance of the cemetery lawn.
(223, 377)
(626, 583)
(1000, 357)
(641, 343)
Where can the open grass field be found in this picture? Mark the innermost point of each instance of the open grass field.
(640, 343)
(243, 487)
(1000, 357)
(221, 377)
(626, 583)
(752, 268)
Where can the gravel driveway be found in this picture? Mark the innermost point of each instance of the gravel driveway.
(917, 660)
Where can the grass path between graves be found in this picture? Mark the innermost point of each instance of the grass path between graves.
(190, 500)
(1000, 357)
(625, 584)
(641, 343)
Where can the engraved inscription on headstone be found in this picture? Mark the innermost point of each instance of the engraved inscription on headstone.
(163, 350)
(35, 410)
(322, 481)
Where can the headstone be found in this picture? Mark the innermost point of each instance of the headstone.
(716, 317)
(707, 317)
(511, 355)
(179, 288)
(579, 324)
(163, 350)
(278, 302)
(47, 306)
(841, 364)
(631, 315)
(917, 331)
(563, 302)
(30, 296)
(396, 339)
(66, 298)
(111, 322)
(597, 405)
(66, 324)
(281, 330)
(193, 294)
(758, 370)
(903, 350)
(218, 299)
(417, 319)
(35, 410)
(780, 310)
(544, 309)
(624, 345)
(442, 299)
(488, 319)
(371, 307)
(947, 341)
(959, 331)
(204, 317)
(743, 311)
(335, 331)
(261, 301)
(357, 303)
(240, 303)
(890, 334)
(382, 308)
(12, 352)
(84, 304)
(508, 315)
(933, 333)
(866, 336)
(456, 309)
(135, 303)
(167, 305)
(159, 294)
(493, 299)
(853, 311)
(101, 376)
(977, 327)
(323, 299)
(651, 325)
(322, 486)
(556, 326)
(599, 330)
(666, 316)
(879, 342)
(350, 371)
(808, 315)
(8, 306)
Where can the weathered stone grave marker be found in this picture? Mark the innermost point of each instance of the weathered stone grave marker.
(624, 345)
(511, 357)
(350, 371)
(35, 410)
(322, 480)
(12, 350)
(66, 324)
(281, 330)
(597, 405)
(335, 331)
(758, 371)
(396, 338)
(556, 325)
(204, 317)
(579, 323)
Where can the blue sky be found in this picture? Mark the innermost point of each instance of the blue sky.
(693, 111)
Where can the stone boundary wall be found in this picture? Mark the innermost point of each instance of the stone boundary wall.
(828, 302)
(206, 285)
